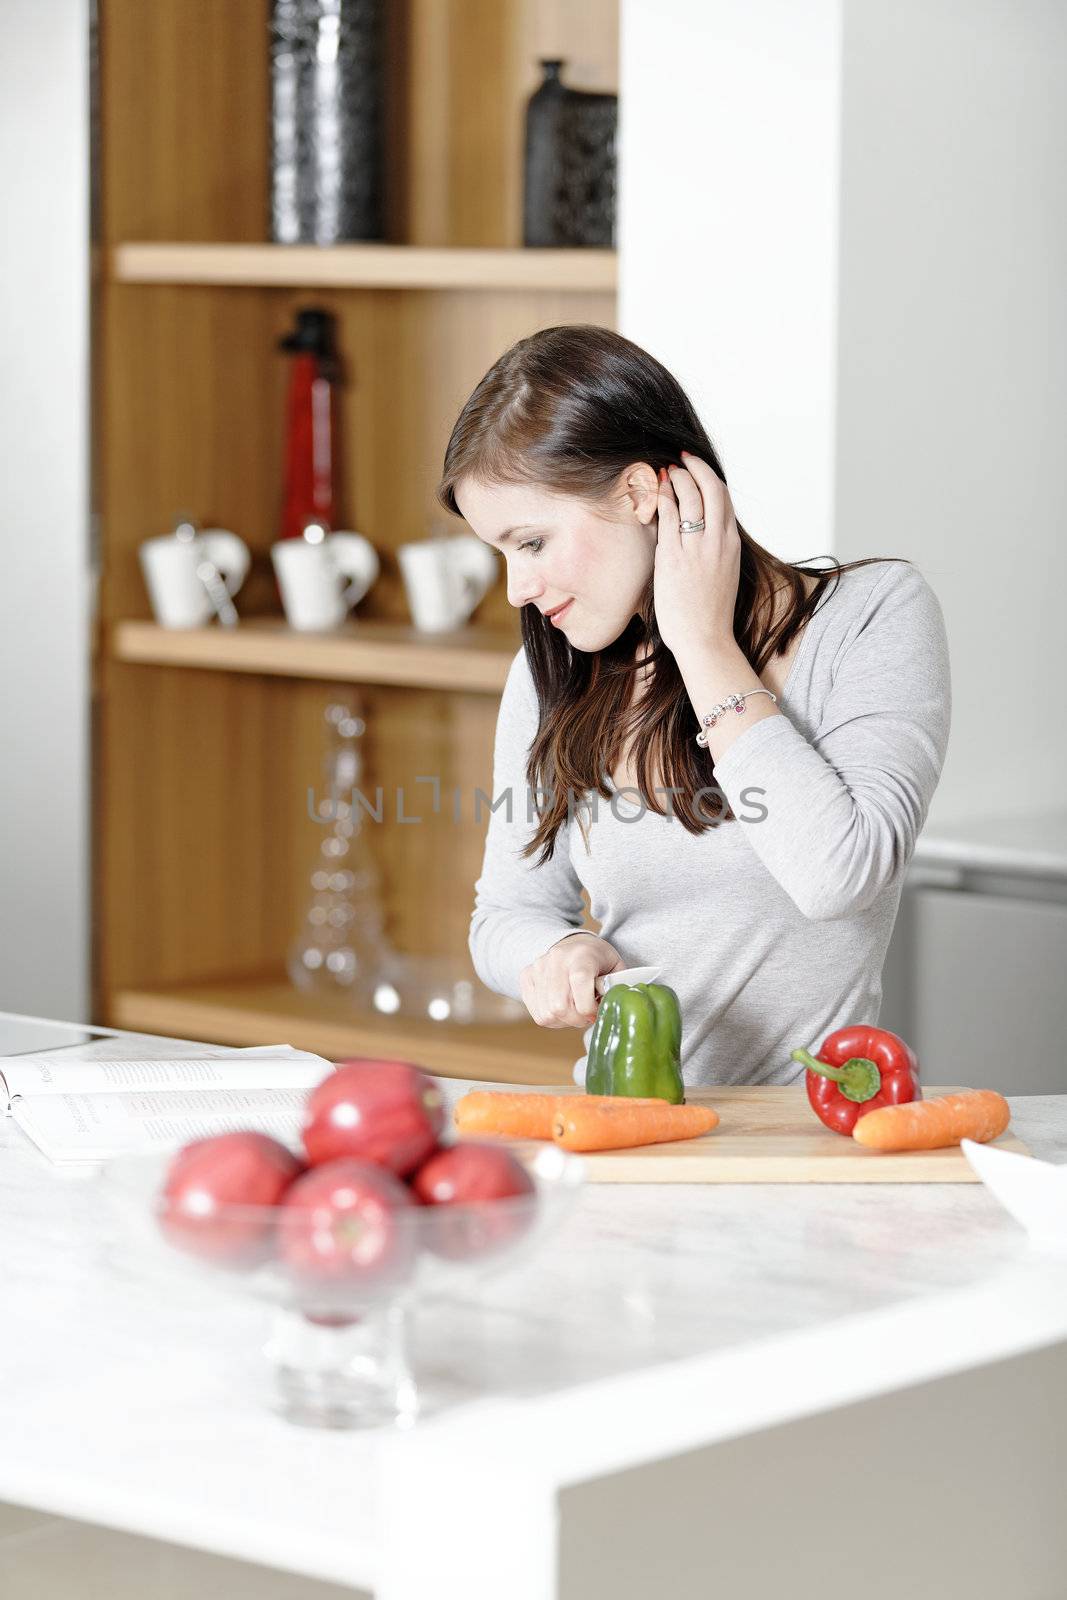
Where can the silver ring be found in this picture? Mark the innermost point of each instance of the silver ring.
(691, 527)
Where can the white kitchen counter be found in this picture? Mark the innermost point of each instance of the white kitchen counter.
(658, 1321)
(1033, 845)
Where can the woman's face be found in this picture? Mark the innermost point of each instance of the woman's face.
(560, 550)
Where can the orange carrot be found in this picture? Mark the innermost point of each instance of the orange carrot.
(510, 1116)
(494, 1113)
(581, 1124)
(979, 1114)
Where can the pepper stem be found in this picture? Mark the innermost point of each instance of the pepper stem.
(859, 1079)
(808, 1060)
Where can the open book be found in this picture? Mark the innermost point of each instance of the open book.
(88, 1103)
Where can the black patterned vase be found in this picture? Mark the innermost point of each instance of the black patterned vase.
(569, 191)
(326, 120)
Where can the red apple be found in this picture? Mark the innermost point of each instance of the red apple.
(474, 1179)
(348, 1225)
(216, 1193)
(387, 1112)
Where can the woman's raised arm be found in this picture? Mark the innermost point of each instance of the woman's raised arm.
(843, 811)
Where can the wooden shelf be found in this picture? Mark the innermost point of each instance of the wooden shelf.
(201, 843)
(470, 659)
(364, 266)
(272, 1012)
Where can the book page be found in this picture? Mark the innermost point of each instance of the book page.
(94, 1127)
(76, 1071)
(156, 1047)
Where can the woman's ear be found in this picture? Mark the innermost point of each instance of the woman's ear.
(641, 490)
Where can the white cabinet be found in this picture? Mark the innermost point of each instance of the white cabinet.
(976, 979)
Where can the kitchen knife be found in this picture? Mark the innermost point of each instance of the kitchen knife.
(628, 975)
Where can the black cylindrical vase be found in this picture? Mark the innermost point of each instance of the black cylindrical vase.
(326, 120)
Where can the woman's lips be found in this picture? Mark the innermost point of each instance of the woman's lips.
(562, 612)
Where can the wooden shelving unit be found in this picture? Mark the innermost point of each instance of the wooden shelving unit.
(364, 266)
(270, 1011)
(206, 742)
(470, 660)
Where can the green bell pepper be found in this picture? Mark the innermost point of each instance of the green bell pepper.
(636, 1044)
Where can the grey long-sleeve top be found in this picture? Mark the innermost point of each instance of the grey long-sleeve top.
(772, 930)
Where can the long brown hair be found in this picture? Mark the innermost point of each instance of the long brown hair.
(571, 408)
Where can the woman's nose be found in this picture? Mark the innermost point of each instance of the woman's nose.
(521, 590)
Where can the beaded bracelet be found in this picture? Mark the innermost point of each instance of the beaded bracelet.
(734, 702)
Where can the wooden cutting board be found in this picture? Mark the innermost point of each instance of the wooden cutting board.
(771, 1135)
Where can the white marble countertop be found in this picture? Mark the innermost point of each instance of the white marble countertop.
(1034, 845)
(659, 1320)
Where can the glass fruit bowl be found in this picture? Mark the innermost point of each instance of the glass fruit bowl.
(339, 1338)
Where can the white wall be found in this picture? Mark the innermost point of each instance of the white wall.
(729, 143)
(842, 224)
(44, 802)
(953, 360)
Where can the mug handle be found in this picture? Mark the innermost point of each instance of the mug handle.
(229, 553)
(477, 568)
(356, 558)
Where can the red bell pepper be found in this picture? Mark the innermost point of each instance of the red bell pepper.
(857, 1070)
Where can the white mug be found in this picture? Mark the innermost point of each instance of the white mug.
(321, 581)
(180, 574)
(445, 579)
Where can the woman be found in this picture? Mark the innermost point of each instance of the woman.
(768, 736)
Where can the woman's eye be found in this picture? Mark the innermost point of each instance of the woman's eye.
(532, 544)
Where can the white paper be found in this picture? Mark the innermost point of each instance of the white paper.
(68, 1106)
(277, 1066)
(135, 1046)
(94, 1127)
(80, 1072)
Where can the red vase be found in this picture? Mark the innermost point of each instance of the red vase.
(310, 425)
